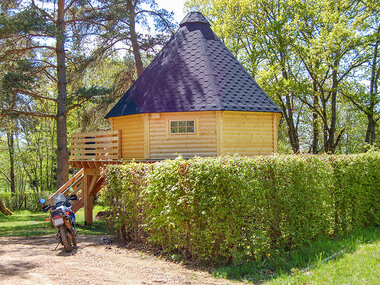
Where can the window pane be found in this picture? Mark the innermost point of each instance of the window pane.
(174, 124)
(190, 129)
(190, 123)
(174, 130)
(182, 123)
(182, 129)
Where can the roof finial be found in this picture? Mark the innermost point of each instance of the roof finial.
(194, 17)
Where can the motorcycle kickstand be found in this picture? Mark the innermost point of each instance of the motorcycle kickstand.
(57, 243)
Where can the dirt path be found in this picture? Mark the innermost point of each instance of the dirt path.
(34, 261)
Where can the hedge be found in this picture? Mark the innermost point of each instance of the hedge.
(28, 200)
(215, 210)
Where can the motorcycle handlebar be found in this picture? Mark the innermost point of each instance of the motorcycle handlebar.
(66, 203)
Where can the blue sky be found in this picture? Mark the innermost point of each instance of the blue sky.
(173, 5)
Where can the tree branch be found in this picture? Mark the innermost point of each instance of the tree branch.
(22, 113)
(30, 93)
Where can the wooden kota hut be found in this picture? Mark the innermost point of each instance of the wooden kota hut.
(193, 99)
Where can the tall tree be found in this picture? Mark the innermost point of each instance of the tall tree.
(30, 31)
(84, 32)
(362, 90)
(118, 22)
(304, 53)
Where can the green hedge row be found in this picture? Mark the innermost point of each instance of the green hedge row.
(233, 208)
(28, 200)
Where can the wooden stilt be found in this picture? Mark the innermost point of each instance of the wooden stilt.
(87, 199)
(91, 177)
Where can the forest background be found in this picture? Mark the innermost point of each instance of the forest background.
(65, 63)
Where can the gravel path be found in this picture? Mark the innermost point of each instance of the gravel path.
(35, 261)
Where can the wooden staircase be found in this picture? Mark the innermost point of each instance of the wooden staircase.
(90, 152)
(86, 183)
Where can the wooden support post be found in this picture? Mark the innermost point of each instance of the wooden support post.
(88, 183)
(146, 136)
(276, 121)
(219, 133)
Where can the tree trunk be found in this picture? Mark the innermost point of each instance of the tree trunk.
(11, 149)
(133, 34)
(287, 110)
(316, 128)
(370, 136)
(3, 209)
(371, 126)
(331, 143)
(62, 151)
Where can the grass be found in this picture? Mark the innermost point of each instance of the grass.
(356, 260)
(26, 223)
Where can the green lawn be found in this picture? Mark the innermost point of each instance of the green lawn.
(356, 261)
(26, 223)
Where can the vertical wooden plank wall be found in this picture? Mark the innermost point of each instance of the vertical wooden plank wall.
(132, 135)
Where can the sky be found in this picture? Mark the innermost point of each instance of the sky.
(175, 6)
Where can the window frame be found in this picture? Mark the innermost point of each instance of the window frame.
(185, 133)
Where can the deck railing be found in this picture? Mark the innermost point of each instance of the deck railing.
(96, 146)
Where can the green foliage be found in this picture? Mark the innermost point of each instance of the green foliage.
(347, 260)
(314, 59)
(27, 21)
(122, 195)
(28, 200)
(226, 209)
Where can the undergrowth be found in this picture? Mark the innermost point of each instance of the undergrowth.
(352, 259)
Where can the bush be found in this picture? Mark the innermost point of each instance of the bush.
(231, 208)
(28, 200)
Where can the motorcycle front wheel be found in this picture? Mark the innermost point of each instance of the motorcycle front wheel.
(65, 239)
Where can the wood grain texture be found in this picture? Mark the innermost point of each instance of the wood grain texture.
(132, 135)
(249, 133)
(166, 145)
(147, 136)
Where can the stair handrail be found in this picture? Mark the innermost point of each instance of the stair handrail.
(70, 183)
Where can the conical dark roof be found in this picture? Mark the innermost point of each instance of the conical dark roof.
(194, 72)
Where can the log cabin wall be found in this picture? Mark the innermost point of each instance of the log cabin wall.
(147, 136)
(132, 135)
(163, 144)
(249, 133)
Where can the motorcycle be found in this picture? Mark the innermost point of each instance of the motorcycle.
(63, 219)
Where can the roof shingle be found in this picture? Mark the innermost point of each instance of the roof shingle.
(194, 72)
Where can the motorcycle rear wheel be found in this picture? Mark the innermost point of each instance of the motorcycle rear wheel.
(66, 241)
(74, 239)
